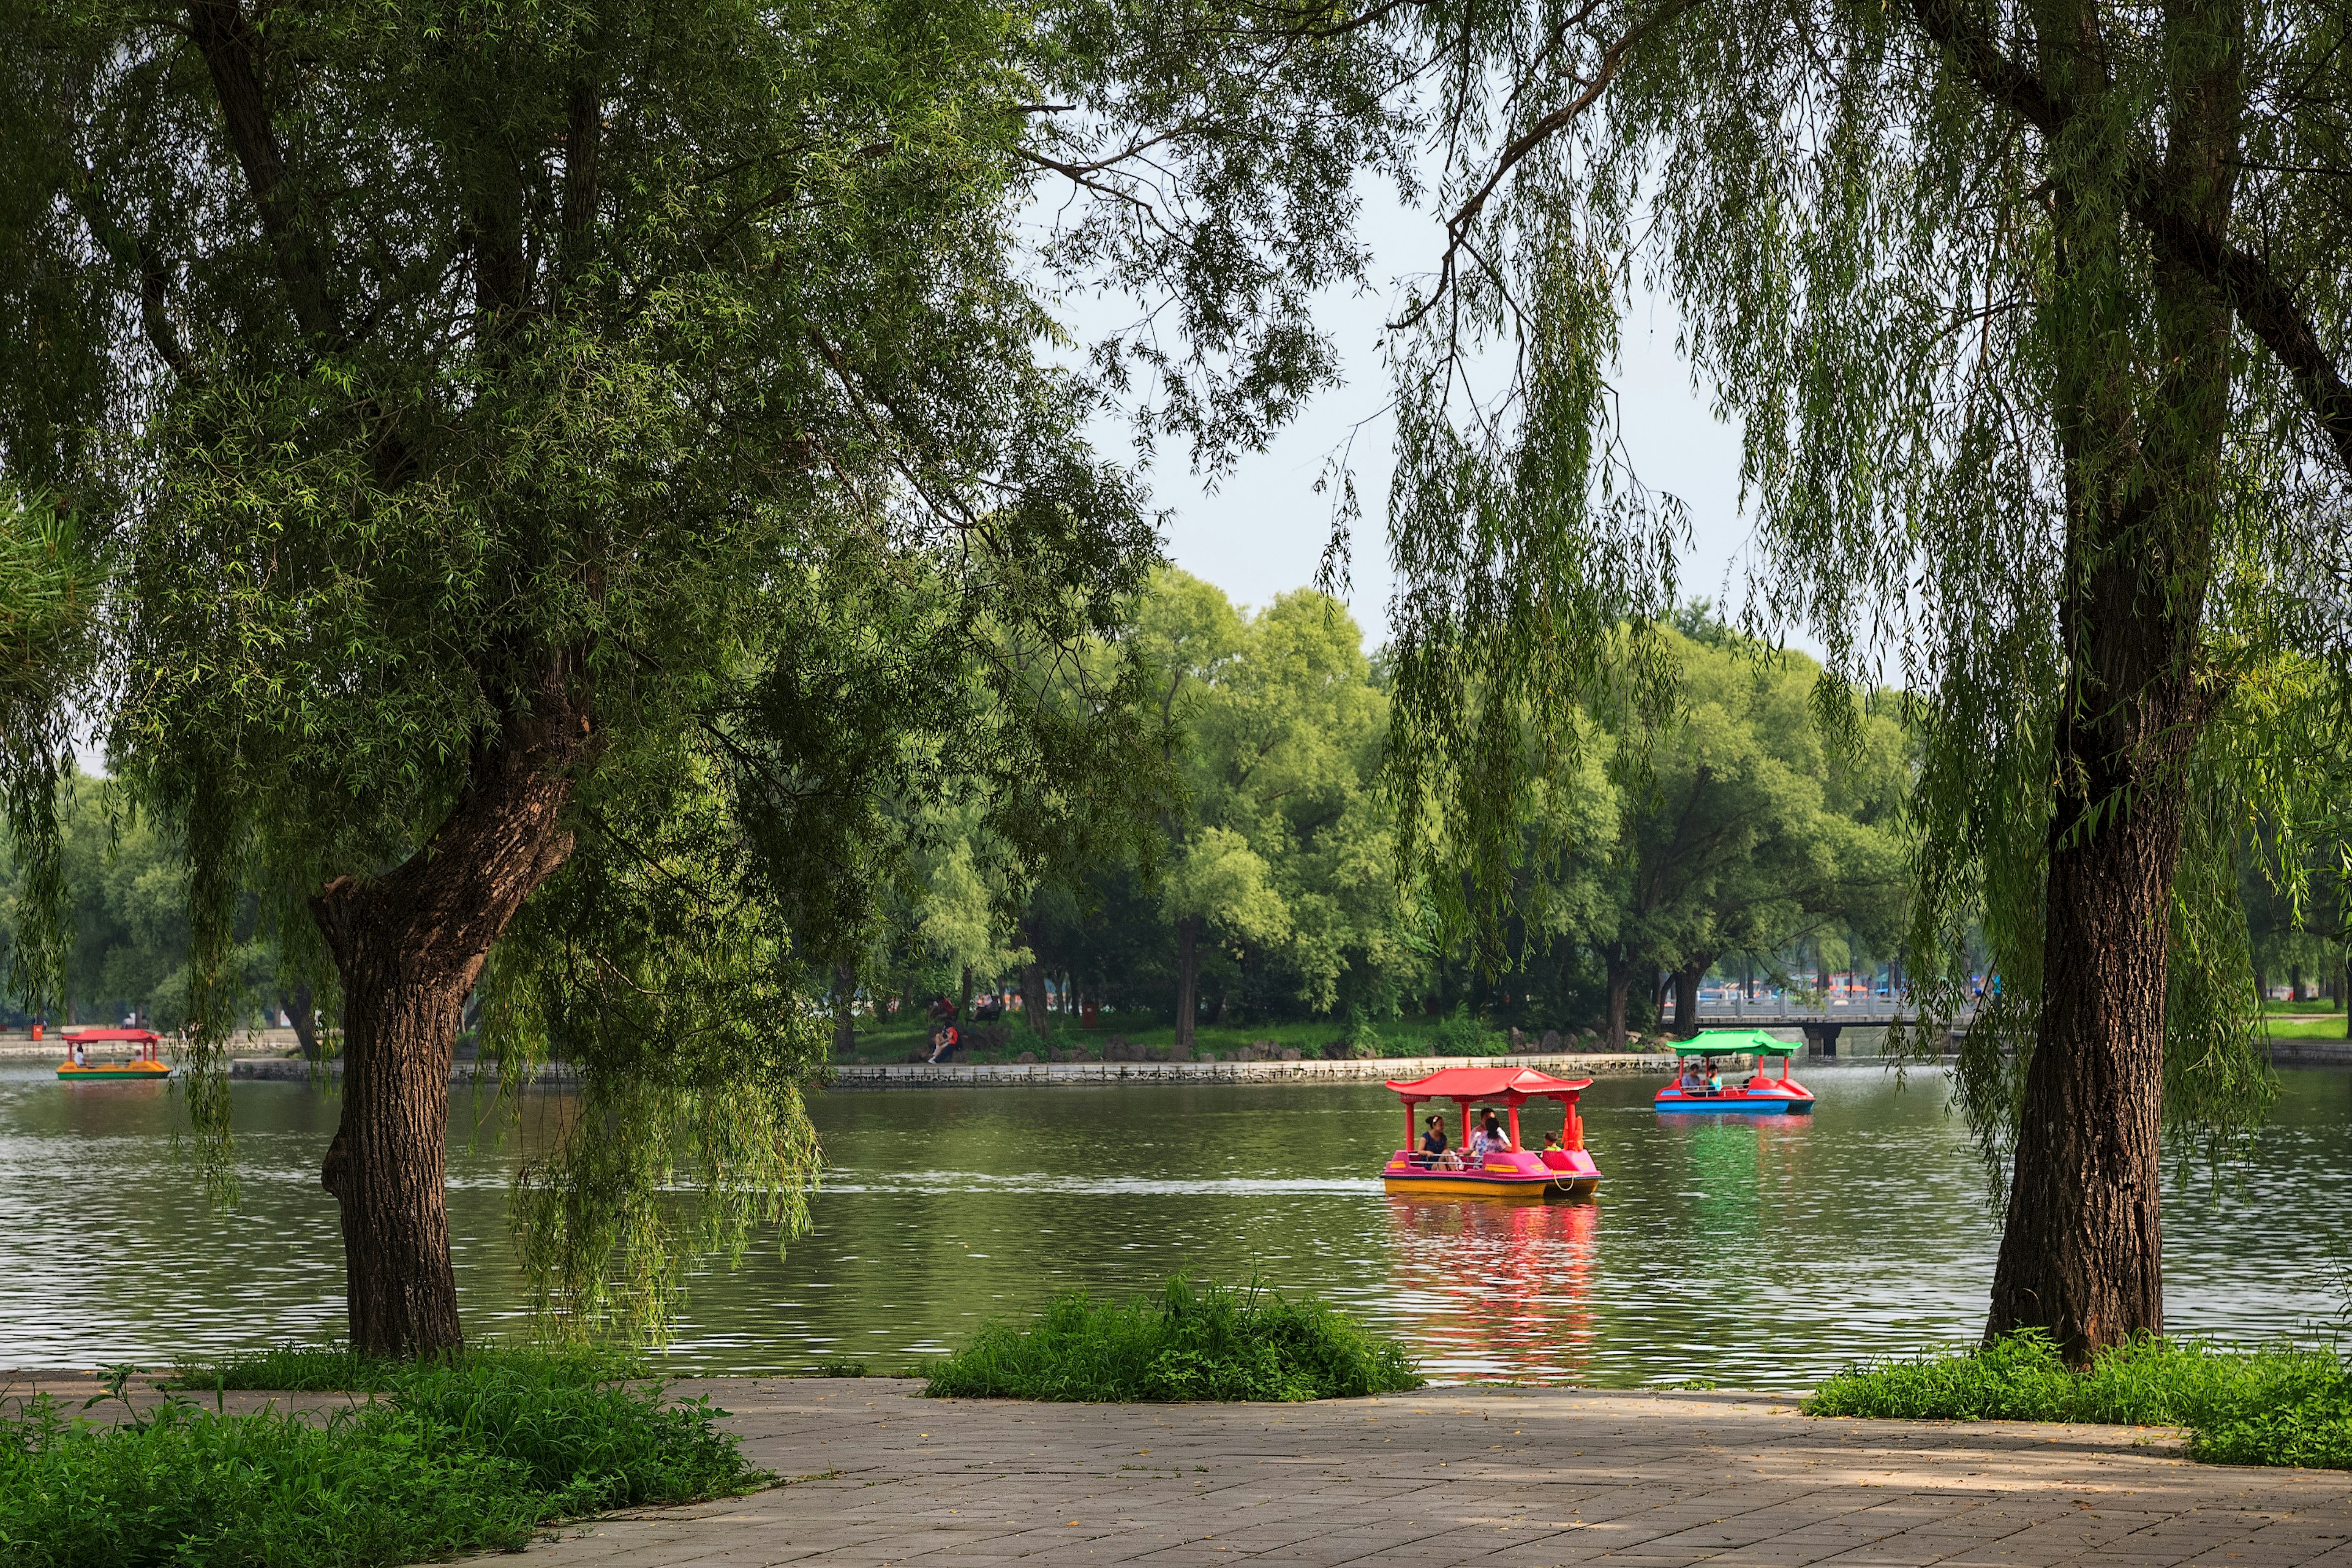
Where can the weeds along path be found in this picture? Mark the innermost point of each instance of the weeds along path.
(1446, 1476)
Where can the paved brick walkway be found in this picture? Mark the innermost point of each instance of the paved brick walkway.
(1519, 1477)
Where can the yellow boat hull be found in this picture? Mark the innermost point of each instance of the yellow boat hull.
(115, 1070)
(1466, 1186)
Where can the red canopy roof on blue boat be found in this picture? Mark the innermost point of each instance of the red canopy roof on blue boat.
(1488, 1083)
(144, 1037)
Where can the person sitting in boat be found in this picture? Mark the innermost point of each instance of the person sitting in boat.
(1432, 1144)
(1694, 1078)
(1554, 1153)
(1490, 1139)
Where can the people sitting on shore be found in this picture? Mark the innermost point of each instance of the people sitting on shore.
(943, 1042)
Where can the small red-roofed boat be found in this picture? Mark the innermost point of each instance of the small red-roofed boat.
(146, 1062)
(1514, 1172)
(1700, 1089)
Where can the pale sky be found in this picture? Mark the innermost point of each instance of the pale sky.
(1264, 530)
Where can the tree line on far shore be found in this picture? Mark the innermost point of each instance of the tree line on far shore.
(1735, 837)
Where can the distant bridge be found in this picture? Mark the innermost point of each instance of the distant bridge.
(1822, 1024)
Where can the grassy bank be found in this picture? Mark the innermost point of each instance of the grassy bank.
(1143, 1033)
(442, 1458)
(2279, 1406)
(1209, 1342)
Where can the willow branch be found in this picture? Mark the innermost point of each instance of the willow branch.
(1458, 227)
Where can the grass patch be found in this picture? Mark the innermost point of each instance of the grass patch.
(441, 1458)
(338, 1368)
(1210, 1342)
(1414, 1037)
(2273, 1407)
(2306, 1029)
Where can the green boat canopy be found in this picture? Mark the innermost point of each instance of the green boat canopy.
(1736, 1043)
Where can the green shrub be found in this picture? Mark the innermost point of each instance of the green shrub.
(1461, 1035)
(444, 1459)
(1213, 1342)
(2273, 1407)
(338, 1368)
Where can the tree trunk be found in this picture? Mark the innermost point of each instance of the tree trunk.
(845, 1009)
(963, 1002)
(304, 1015)
(2082, 1248)
(1033, 999)
(1621, 981)
(1188, 979)
(1686, 980)
(408, 945)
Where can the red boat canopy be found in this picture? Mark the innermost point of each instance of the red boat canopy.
(1469, 1084)
(87, 1036)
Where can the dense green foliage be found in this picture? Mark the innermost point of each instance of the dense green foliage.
(1749, 840)
(1211, 1341)
(445, 1459)
(2280, 1406)
(598, 459)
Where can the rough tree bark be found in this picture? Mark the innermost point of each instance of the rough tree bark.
(1188, 979)
(2081, 1250)
(408, 945)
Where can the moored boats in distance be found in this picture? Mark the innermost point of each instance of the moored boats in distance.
(1701, 1088)
(146, 1062)
(1477, 1167)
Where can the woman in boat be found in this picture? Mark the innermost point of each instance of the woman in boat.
(1499, 1141)
(1432, 1144)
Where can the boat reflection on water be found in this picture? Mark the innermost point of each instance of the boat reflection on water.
(1505, 1288)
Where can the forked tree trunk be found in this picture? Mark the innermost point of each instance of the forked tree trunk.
(408, 945)
(1188, 979)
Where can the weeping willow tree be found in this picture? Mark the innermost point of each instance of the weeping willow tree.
(2031, 313)
(50, 588)
(523, 435)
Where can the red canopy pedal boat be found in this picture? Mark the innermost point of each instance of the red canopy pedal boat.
(1567, 1172)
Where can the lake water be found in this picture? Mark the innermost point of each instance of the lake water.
(1760, 1253)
